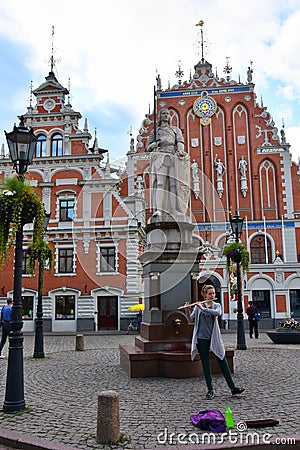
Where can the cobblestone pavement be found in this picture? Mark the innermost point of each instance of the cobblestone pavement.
(61, 393)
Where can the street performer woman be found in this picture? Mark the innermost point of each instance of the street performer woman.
(207, 336)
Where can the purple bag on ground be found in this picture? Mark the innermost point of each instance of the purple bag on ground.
(210, 419)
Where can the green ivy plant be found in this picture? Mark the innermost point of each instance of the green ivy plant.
(19, 204)
(236, 252)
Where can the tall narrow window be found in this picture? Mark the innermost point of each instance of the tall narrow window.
(56, 145)
(41, 146)
(65, 260)
(258, 250)
(25, 259)
(66, 210)
(107, 259)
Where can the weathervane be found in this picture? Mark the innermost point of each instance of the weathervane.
(30, 95)
(69, 89)
(200, 41)
(52, 61)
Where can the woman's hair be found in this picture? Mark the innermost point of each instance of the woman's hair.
(206, 288)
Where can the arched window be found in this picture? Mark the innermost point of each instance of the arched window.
(57, 145)
(258, 250)
(41, 146)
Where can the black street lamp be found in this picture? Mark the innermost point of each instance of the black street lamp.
(39, 326)
(21, 143)
(236, 223)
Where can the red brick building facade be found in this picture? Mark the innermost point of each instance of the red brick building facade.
(93, 229)
(239, 162)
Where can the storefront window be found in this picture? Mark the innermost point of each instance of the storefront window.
(27, 307)
(295, 302)
(65, 307)
(261, 299)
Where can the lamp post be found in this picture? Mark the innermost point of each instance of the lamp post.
(236, 223)
(21, 144)
(39, 326)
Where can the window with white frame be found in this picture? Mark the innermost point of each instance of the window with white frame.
(25, 261)
(41, 146)
(57, 145)
(260, 250)
(66, 209)
(107, 259)
(66, 260)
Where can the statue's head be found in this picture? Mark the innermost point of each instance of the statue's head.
(164, 112)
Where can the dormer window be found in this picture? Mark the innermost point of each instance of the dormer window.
(57, 145)
(41, 146)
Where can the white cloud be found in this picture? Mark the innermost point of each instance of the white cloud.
(110, 50)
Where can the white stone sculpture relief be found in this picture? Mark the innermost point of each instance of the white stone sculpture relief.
(243, 169)
(195, 179)
(220, 169)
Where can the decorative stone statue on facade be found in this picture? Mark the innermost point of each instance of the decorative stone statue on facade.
(243, 169)
(220, 169)
(195, 178)
(170, 170)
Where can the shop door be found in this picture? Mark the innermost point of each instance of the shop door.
(107, 313)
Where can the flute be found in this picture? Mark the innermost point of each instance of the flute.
(193, 304)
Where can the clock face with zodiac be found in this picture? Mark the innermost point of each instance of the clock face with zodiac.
(205, 107)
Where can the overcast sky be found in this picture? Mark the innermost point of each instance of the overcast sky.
(112, 50)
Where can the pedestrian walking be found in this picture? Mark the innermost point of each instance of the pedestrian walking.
(207, 336)
(5, 320)
(251, 312)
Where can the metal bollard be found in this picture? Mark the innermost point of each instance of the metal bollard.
(108, 420)
(79, 343)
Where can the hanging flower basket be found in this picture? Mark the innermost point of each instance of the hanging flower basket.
(19, 204)
(236, 252)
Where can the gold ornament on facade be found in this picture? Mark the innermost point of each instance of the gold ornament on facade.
(205, 107)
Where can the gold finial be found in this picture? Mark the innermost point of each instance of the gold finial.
(277, 253)
(200, 23)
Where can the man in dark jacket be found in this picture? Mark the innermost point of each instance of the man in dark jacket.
(253, 323)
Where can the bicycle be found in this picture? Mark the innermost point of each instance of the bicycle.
(132, 326)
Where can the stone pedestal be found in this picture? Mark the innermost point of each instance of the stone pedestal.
(170, 267)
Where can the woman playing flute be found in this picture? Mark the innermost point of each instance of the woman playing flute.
(207, 336)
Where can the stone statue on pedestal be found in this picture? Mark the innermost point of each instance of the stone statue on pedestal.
(170, 170)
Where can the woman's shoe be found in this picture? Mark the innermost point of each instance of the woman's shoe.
(237, 391)
(210, 394)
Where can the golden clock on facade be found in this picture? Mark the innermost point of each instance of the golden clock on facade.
(205, 107)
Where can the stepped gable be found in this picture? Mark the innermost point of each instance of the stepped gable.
(229, 95)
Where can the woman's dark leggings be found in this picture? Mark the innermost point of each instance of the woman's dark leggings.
(203, 349)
